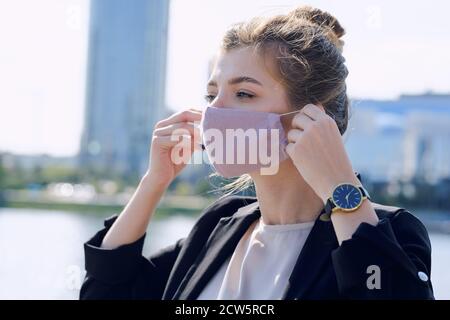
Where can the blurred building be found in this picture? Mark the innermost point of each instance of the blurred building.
(403, 139)
(427, 146)
(125, 92)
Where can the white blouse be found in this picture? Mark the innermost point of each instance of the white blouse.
(261, 264)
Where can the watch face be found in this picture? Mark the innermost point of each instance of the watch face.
(347, 196)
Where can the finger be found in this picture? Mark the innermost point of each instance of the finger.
(177, 128)
(293, 135)
(187, 143)
(289, 148)
(177, 142)
(183, 141)
(181, 116)
(182, 151)
(193, 134)
(198, 145)
(196, 110)
(301, 121)
(313, 111)
(167, 141)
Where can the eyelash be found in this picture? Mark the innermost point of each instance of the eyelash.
(210, 97)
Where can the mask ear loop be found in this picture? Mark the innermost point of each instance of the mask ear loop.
(326, 111)
(285, 125)
(283, 114)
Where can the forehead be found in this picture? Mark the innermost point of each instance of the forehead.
(244, 61)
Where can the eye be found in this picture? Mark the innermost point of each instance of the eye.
(242, 94)
(209, 97)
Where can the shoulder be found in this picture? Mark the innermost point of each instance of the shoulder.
(395, 214)
(405, 225)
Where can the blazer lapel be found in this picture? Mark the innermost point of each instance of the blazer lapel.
(218, 248)
(314, 255)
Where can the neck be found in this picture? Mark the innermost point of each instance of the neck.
(285, 198)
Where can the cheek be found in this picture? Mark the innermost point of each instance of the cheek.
(275, 102)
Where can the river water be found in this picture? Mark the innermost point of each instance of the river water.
(41, 251)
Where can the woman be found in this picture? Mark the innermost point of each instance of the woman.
(311, 232)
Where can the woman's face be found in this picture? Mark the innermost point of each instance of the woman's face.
(242, 79)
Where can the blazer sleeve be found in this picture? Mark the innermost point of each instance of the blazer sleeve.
(391, 260)
(123, 272)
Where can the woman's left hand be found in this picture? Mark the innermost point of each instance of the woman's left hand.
(317, 150)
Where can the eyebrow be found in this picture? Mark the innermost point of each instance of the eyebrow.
(236, 81)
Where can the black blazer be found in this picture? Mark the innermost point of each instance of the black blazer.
(399, 245)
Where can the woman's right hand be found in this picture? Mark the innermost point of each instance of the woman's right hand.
(174, 140)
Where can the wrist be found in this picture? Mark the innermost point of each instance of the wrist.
(333, 183)
(150, 181)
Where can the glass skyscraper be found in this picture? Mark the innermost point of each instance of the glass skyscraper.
(125, 92)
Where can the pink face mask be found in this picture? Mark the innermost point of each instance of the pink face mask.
(240, 141)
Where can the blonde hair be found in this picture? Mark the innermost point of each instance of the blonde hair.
(308, 50)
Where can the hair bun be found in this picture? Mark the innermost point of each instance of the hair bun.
(322, 19)
(319, 17)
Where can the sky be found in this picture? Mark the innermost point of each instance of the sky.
(391, 47)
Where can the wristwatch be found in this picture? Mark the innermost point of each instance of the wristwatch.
(346, 197)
